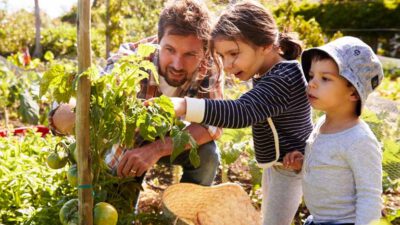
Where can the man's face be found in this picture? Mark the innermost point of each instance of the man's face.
(180, 57)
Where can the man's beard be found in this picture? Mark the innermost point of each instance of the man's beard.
(173, 82)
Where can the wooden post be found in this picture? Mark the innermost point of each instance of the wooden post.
(82, 116)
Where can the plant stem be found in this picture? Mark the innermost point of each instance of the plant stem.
(224, 173)
(6, 121)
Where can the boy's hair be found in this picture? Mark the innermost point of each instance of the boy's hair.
(252, 23)
(185, 17)
(316, 56)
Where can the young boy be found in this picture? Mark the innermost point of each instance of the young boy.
(342, 170)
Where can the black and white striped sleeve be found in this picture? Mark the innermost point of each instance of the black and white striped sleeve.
(270, 97)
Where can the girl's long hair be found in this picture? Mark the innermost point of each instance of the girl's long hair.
(250, 22)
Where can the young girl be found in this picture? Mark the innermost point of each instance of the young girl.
(342, 168)
(248, 42)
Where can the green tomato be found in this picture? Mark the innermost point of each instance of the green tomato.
(69, 214)
(73, 153)
(105, 214)
(56, 160)
(72, 175)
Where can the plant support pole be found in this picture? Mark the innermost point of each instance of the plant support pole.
(82, 116)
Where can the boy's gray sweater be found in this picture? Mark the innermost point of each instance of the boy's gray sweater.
(343, 175)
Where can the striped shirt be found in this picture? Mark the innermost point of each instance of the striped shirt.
(279, 94)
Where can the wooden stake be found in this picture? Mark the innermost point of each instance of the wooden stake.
(82, 116)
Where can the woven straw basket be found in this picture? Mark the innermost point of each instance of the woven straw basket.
(224, 204)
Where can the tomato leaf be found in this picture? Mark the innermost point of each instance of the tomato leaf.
(29, 108)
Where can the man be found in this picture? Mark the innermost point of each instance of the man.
(185, 69)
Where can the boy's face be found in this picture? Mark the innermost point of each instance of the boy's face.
(180, 57)
(327, 90)
(240, 59)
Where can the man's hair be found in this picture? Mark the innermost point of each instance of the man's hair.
(185, 17)
(318, 55)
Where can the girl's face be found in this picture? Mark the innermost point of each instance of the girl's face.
(240, 58)
(327, 90)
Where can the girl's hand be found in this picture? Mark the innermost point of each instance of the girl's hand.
(179, 106)
(293, 160)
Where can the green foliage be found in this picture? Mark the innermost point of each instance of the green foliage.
(180, 139)
(391, 71)
(309, 30)
(391, 158)
(141, 18)
(232, 144)
(387, 133)
(390, 89)
(17, 59)
(334, 15)
(58, 82)
(116, 117)
(235, 142)
(49, 56)
(61, 40)
(31, 192)
(7, 78)
(17, 30)
(373, 21)
(156, 123)
(374, 122)
(20, 92)
(28, 108)
(129, 20)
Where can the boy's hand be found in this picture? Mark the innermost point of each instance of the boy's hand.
(293, 160)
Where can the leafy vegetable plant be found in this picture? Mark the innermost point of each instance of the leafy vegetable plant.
(117, 116)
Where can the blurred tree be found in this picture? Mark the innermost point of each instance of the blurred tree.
(38, 47)
(122, 20)
(3, 14)
(94, 3)
(375, 21)
(131, 20)
(16, 32)
(309, 30)
(108, 29)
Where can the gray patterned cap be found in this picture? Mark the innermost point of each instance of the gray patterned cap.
(356, 61)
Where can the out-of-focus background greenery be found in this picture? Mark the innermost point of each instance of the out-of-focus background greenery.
(31, 42)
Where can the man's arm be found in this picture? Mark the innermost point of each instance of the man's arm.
(137, 161)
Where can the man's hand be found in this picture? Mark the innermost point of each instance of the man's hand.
(137, 161)
(293, 160)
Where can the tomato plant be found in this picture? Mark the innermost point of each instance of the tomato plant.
(18, 92)
(117, 116)
(32, 193)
